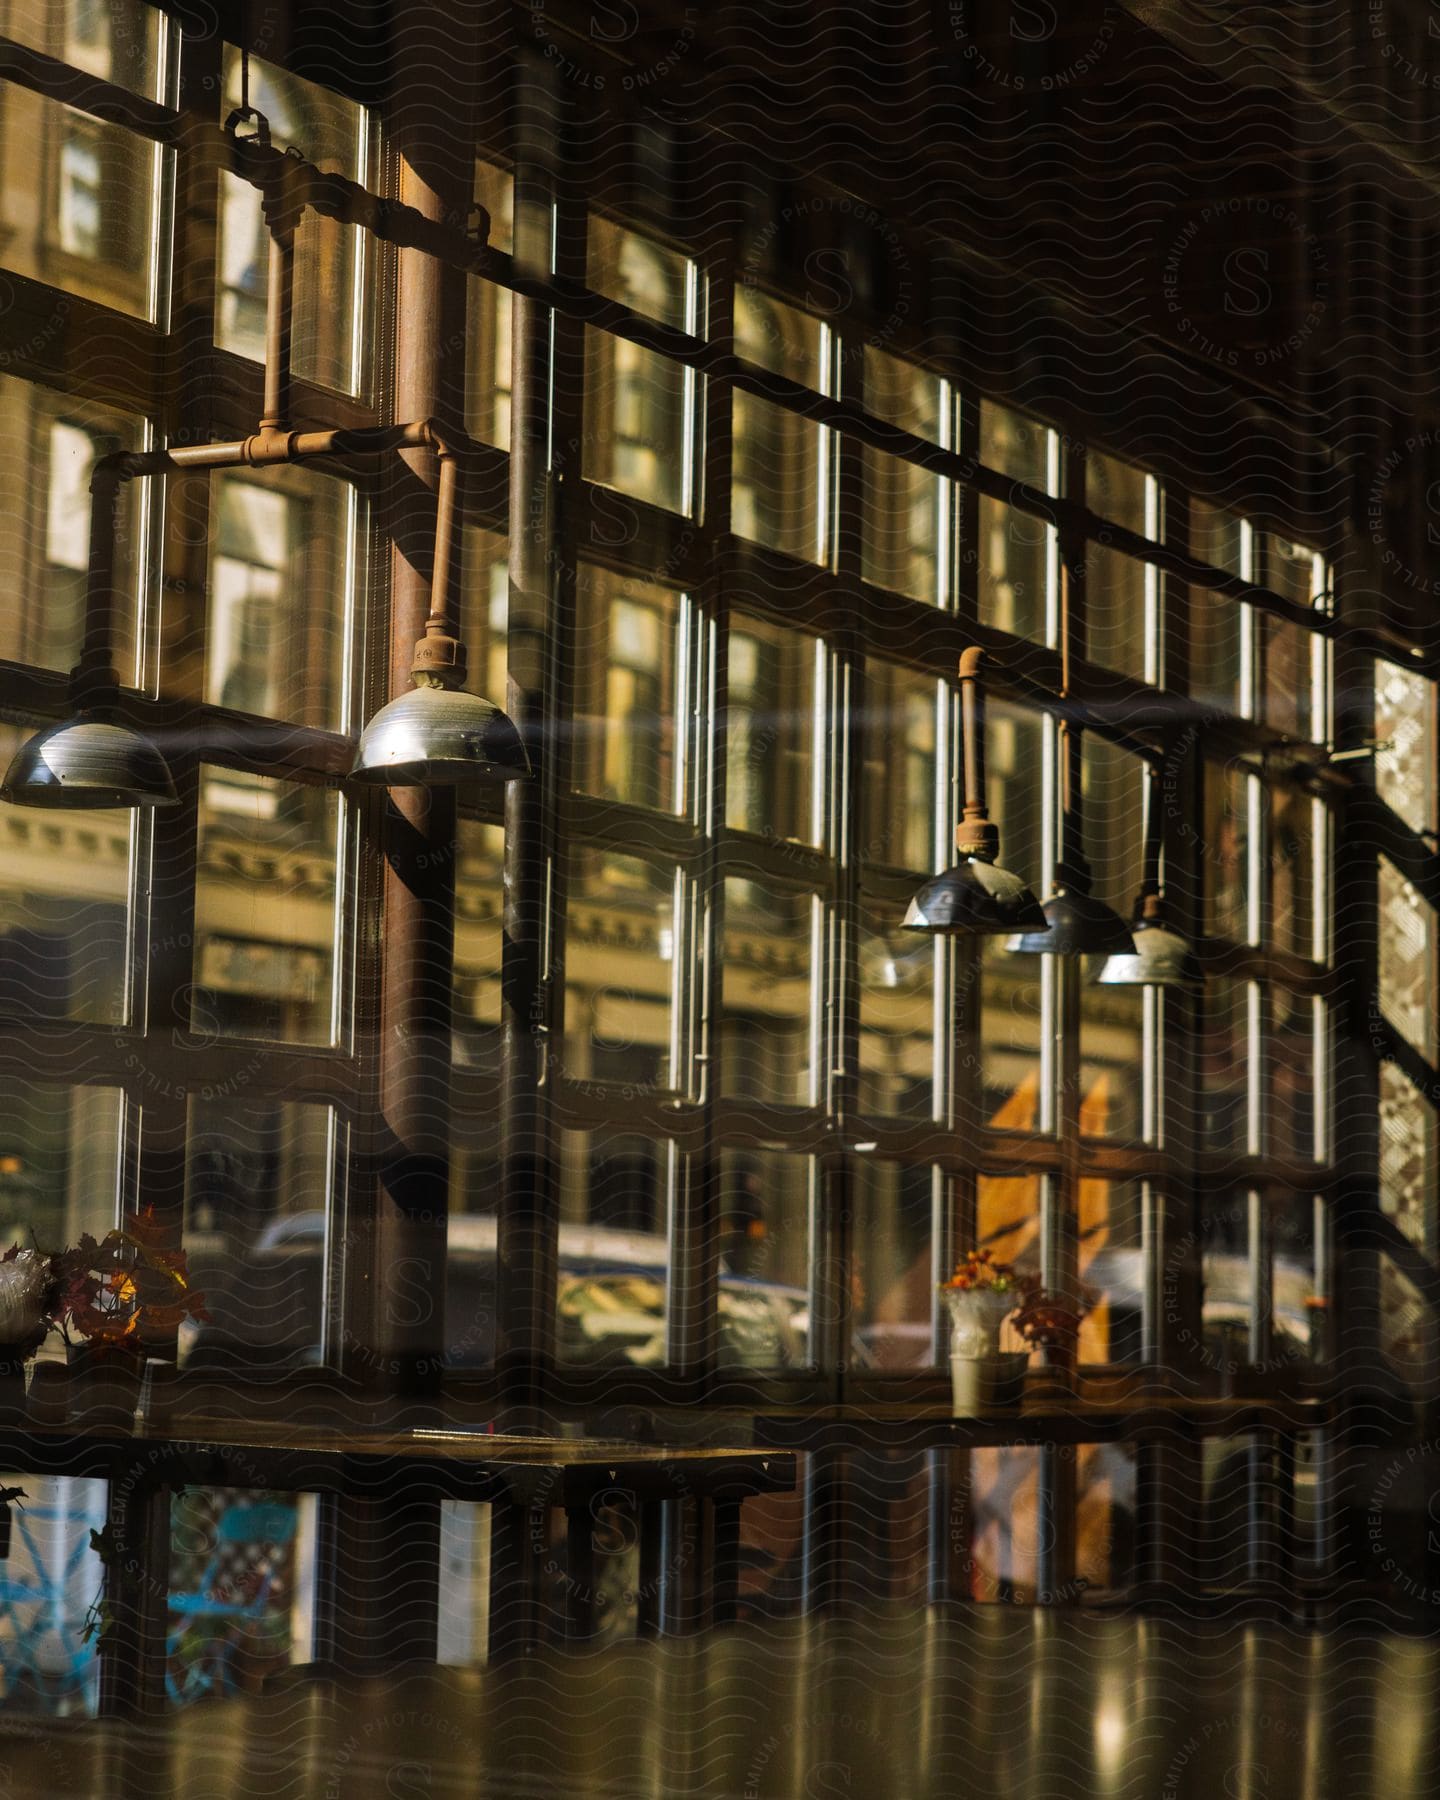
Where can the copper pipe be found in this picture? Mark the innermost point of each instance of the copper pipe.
(975, 835)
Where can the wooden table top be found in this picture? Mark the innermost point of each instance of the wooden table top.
(468, 1464)
(996, 1702)
(901, 1424)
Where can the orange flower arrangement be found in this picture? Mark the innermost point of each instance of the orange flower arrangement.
(979, 1270)
(125, 1287)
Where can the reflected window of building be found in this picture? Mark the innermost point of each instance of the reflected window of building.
(765, 1025)
(781, 461)
(639, 405)
(906, 511)
(65, 887)
(61, 1155)
(266, 909)
(1122, 593)
(489, 316)
(281, 583)
(613, 1249)
(330, 321)
(619, 969)
(625, 689)
(770, 732)
(893, 1297)
(902, 720)
(1016, 551)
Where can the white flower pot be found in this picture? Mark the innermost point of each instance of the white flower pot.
(978, 1382)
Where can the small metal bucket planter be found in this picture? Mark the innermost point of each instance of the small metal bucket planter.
(981, 1373)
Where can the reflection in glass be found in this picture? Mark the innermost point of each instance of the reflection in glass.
(1227, 1276)
(770, 732)
(1015, 555)
(51, 1665)
(1011, 986)
(638, 404)
(777, 477)
(1112, 1045)
(122, 41)
(479, 936)
(1293, 660)
(265, 909)
(1105, 1516)
(625, 680)
(1224, 847)
(488, 313)
(897, 1015)
(1121, 601)
(765, 1257)
(1223, 1057)
(64, 909)
(1407, 961)
(48, 445)
(1007, 1219)
(89, 221)
(1295, 819)
(1111, 1273)
(619, 939)
(894, 1283)
(901, 719)
(1217, 657)
(906, 510)
(59, 1162)
(765, 1025)
(614, 1253)
(1296, 1070)
(1407, 1157)
(485, 583)
(1406, 773)
(257, 1176)
(328, 324)
(280, 586)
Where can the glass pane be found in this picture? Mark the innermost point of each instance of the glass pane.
(1118, 491)
(901, 721)
(765, 1255)
(1007, 1219)
(770, 732)
(48, 446)
(1405, 775)
(1217, 537)
(1011, 985)
(1224, 845)
(894, 1282)
(1013, 576)
(59, 1162)
(637, 404)
(328, 325)
(485, 582)
(1297, 1320)
(88, 219)
(51, 1577)
(1111, 1275)
(281, 578)
(1016, 446)
(119, 40)
(1104, 1517)
(619, 954)
(1407, 1327)
(905, 508)
(1004, 1494)
(776, 482)
(614, 1253)
(1294, 1077)
(1290, 700)
(1112, 1049)
(64, 910)
(897, 1015)
(1217, 635)
(764, 1025)
(1224, 1064)
(1116, 611)
(1407, 961)
(625, 689)
(1407, 1157)
(1226, 1274)
(258, 1173)
(1291, 570)
(265, 909)
(479, 938)
(488, 314)
(1295, 819)
(242, 1589)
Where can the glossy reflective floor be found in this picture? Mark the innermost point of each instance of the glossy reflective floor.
(990, 1701)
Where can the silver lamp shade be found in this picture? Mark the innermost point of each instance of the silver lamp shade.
(975, 898)
(88, 763)
(439, 737)
(1161, 958)
(1076, 924)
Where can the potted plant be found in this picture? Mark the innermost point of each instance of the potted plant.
(29, 1290)
(981, 1295)
(119, 1296)
(1051, 1323)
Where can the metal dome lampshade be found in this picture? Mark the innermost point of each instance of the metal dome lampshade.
(1162, 956)
(91, 760)
(975, 897)
(437, 735)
